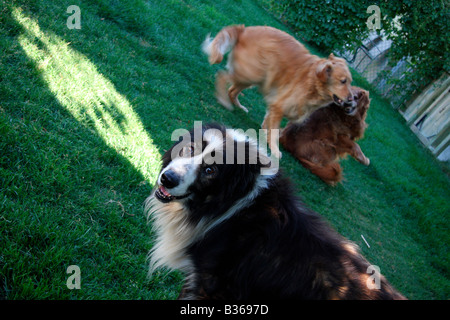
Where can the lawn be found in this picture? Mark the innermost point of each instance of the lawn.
(85, 116)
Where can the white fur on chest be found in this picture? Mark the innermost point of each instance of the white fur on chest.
(174, 235)
(174, 232)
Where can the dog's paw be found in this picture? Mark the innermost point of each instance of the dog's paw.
(366, 161)
(243, 108)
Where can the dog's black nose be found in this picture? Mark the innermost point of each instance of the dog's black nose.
(170, 179)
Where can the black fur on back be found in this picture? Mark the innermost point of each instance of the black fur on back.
(279, 249)
(273, 247)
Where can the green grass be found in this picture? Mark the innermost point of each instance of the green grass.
(86, 114)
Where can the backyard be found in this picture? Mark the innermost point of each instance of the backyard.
(85, 115)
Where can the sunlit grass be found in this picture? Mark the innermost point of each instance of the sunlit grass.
(88, 95)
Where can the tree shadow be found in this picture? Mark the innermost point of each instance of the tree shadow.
(75, 170)
(89, 96)
(159, 67)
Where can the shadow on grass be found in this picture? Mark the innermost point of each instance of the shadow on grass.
(157, 65)
(90, 99)
(75, 169)
(87, 94)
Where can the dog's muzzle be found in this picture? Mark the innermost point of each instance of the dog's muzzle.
(168, 180)
(348, 106)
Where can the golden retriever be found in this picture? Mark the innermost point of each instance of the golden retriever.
(294, 82)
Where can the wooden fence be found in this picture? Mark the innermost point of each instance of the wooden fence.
(428, 116)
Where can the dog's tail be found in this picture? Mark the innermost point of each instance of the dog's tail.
(222, 43)
(331, 173)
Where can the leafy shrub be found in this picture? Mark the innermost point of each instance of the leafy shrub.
(419, 31)
(423, 38)
(329, 24)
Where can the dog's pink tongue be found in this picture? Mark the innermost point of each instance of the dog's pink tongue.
(164, 191)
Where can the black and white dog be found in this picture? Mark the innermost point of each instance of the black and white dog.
(238, 232)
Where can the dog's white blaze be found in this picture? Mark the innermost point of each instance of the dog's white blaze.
(240, 136)
(186, 168)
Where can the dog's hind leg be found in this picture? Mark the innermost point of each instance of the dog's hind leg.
(272, 122)
(222, 80)
(233, 93)
(330, 173)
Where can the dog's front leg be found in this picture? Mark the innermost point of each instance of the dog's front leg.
(359, 155)
(186, 292)
(347, 145)
(222, 79)
(199, 286)
(233, 93)
(191, 288)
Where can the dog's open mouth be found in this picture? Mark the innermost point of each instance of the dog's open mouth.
(164, 196)
(338, 100)
(349, 108)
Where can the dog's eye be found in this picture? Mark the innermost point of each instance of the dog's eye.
(210, 170)
(187, 151)
(344, 81)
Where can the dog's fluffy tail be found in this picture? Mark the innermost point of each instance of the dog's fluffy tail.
(331, 173)
(222, 43)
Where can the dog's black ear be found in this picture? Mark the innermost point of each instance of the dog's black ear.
(324, 70)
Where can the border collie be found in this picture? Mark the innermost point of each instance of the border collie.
(239, 234)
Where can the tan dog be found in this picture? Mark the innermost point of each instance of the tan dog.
(293, 81)
(328, 135)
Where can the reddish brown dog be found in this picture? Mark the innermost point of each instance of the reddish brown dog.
(293, 81)
(328, 135)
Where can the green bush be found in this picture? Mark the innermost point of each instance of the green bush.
(423, 37)
(420, 32)
(331, 25)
